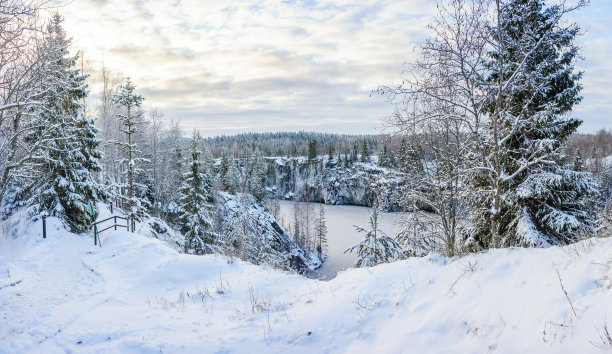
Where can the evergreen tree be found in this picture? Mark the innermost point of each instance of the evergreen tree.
(536, 201)
(376, 247)
(256, 176)
(409, 160)
(578, 164)
(321, 231)
(131, 103)
(331, 149)
(384, 159)
(196, 204)
(354, 153)
(365, 154)
(229, 175)
(64, 177)
(233, 177)
(312, 150)
(224, 167)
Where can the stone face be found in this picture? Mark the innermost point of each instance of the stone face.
(269, 241)
(157, 228)
(326, 182)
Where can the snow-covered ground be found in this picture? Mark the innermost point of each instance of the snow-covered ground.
(137, 294)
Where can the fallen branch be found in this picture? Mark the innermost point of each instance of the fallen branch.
(565, 292)
(11, 284)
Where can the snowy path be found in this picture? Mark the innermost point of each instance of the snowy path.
(142, 296)
(62, 286)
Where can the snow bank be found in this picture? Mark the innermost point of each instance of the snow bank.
(138, 294)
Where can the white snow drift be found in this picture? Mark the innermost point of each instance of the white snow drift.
(137, 294)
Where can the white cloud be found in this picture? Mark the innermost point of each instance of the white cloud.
(269, 65)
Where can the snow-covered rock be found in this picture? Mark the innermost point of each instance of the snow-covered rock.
(258, 237)
(327, 182)
(157, 228)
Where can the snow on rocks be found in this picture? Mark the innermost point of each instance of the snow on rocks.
(267, 240)
(157, 228)
(329, 183)
(138, 294)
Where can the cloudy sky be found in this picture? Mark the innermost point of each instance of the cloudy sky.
(261, 65)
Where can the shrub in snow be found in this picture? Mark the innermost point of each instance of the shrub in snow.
(376, 247)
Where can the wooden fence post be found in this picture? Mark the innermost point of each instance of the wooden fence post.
(44, 222)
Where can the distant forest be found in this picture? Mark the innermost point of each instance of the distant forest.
(295, 143)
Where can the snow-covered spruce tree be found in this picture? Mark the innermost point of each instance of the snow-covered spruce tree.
(229, 175)
(384, 160)
(63, 170)
(414, 238)
(313, 150)
(131, 117)
(354, 153)
(376, 247)
(255, 176)
(196, 204)
(501, 75)
(526, 196)
(365, 153)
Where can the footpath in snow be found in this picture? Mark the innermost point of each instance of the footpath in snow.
(138, 294)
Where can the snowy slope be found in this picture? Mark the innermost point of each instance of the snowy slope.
(137, 294)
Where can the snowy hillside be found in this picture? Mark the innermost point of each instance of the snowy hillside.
(137, 294)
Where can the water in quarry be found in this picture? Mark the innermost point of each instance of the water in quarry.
(341, 234)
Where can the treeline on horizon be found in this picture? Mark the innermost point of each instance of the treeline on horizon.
(292, 144)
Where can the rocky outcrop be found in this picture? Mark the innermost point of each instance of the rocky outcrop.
(326, 182)
(253, 234)
(157, 228)
(246, 230)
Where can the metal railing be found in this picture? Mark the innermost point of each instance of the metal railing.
(97, 232)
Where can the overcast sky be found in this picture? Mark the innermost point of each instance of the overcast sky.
(257, 65)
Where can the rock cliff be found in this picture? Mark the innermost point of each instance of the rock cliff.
(325, 181)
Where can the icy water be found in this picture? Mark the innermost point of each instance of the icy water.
(341, 233)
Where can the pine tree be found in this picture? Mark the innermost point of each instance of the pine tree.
(196, 204)
(64, 179)
(312, 150)
(384, 159)
(365, 154)
(321, 231)
(354, 153)
(536, 201)
(578, 164)
(376, 247)
(409, 160)
(131, 120)
(229, 175)
(331, 149)
(256, 176)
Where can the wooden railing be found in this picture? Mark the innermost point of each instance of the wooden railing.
(97, 232)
